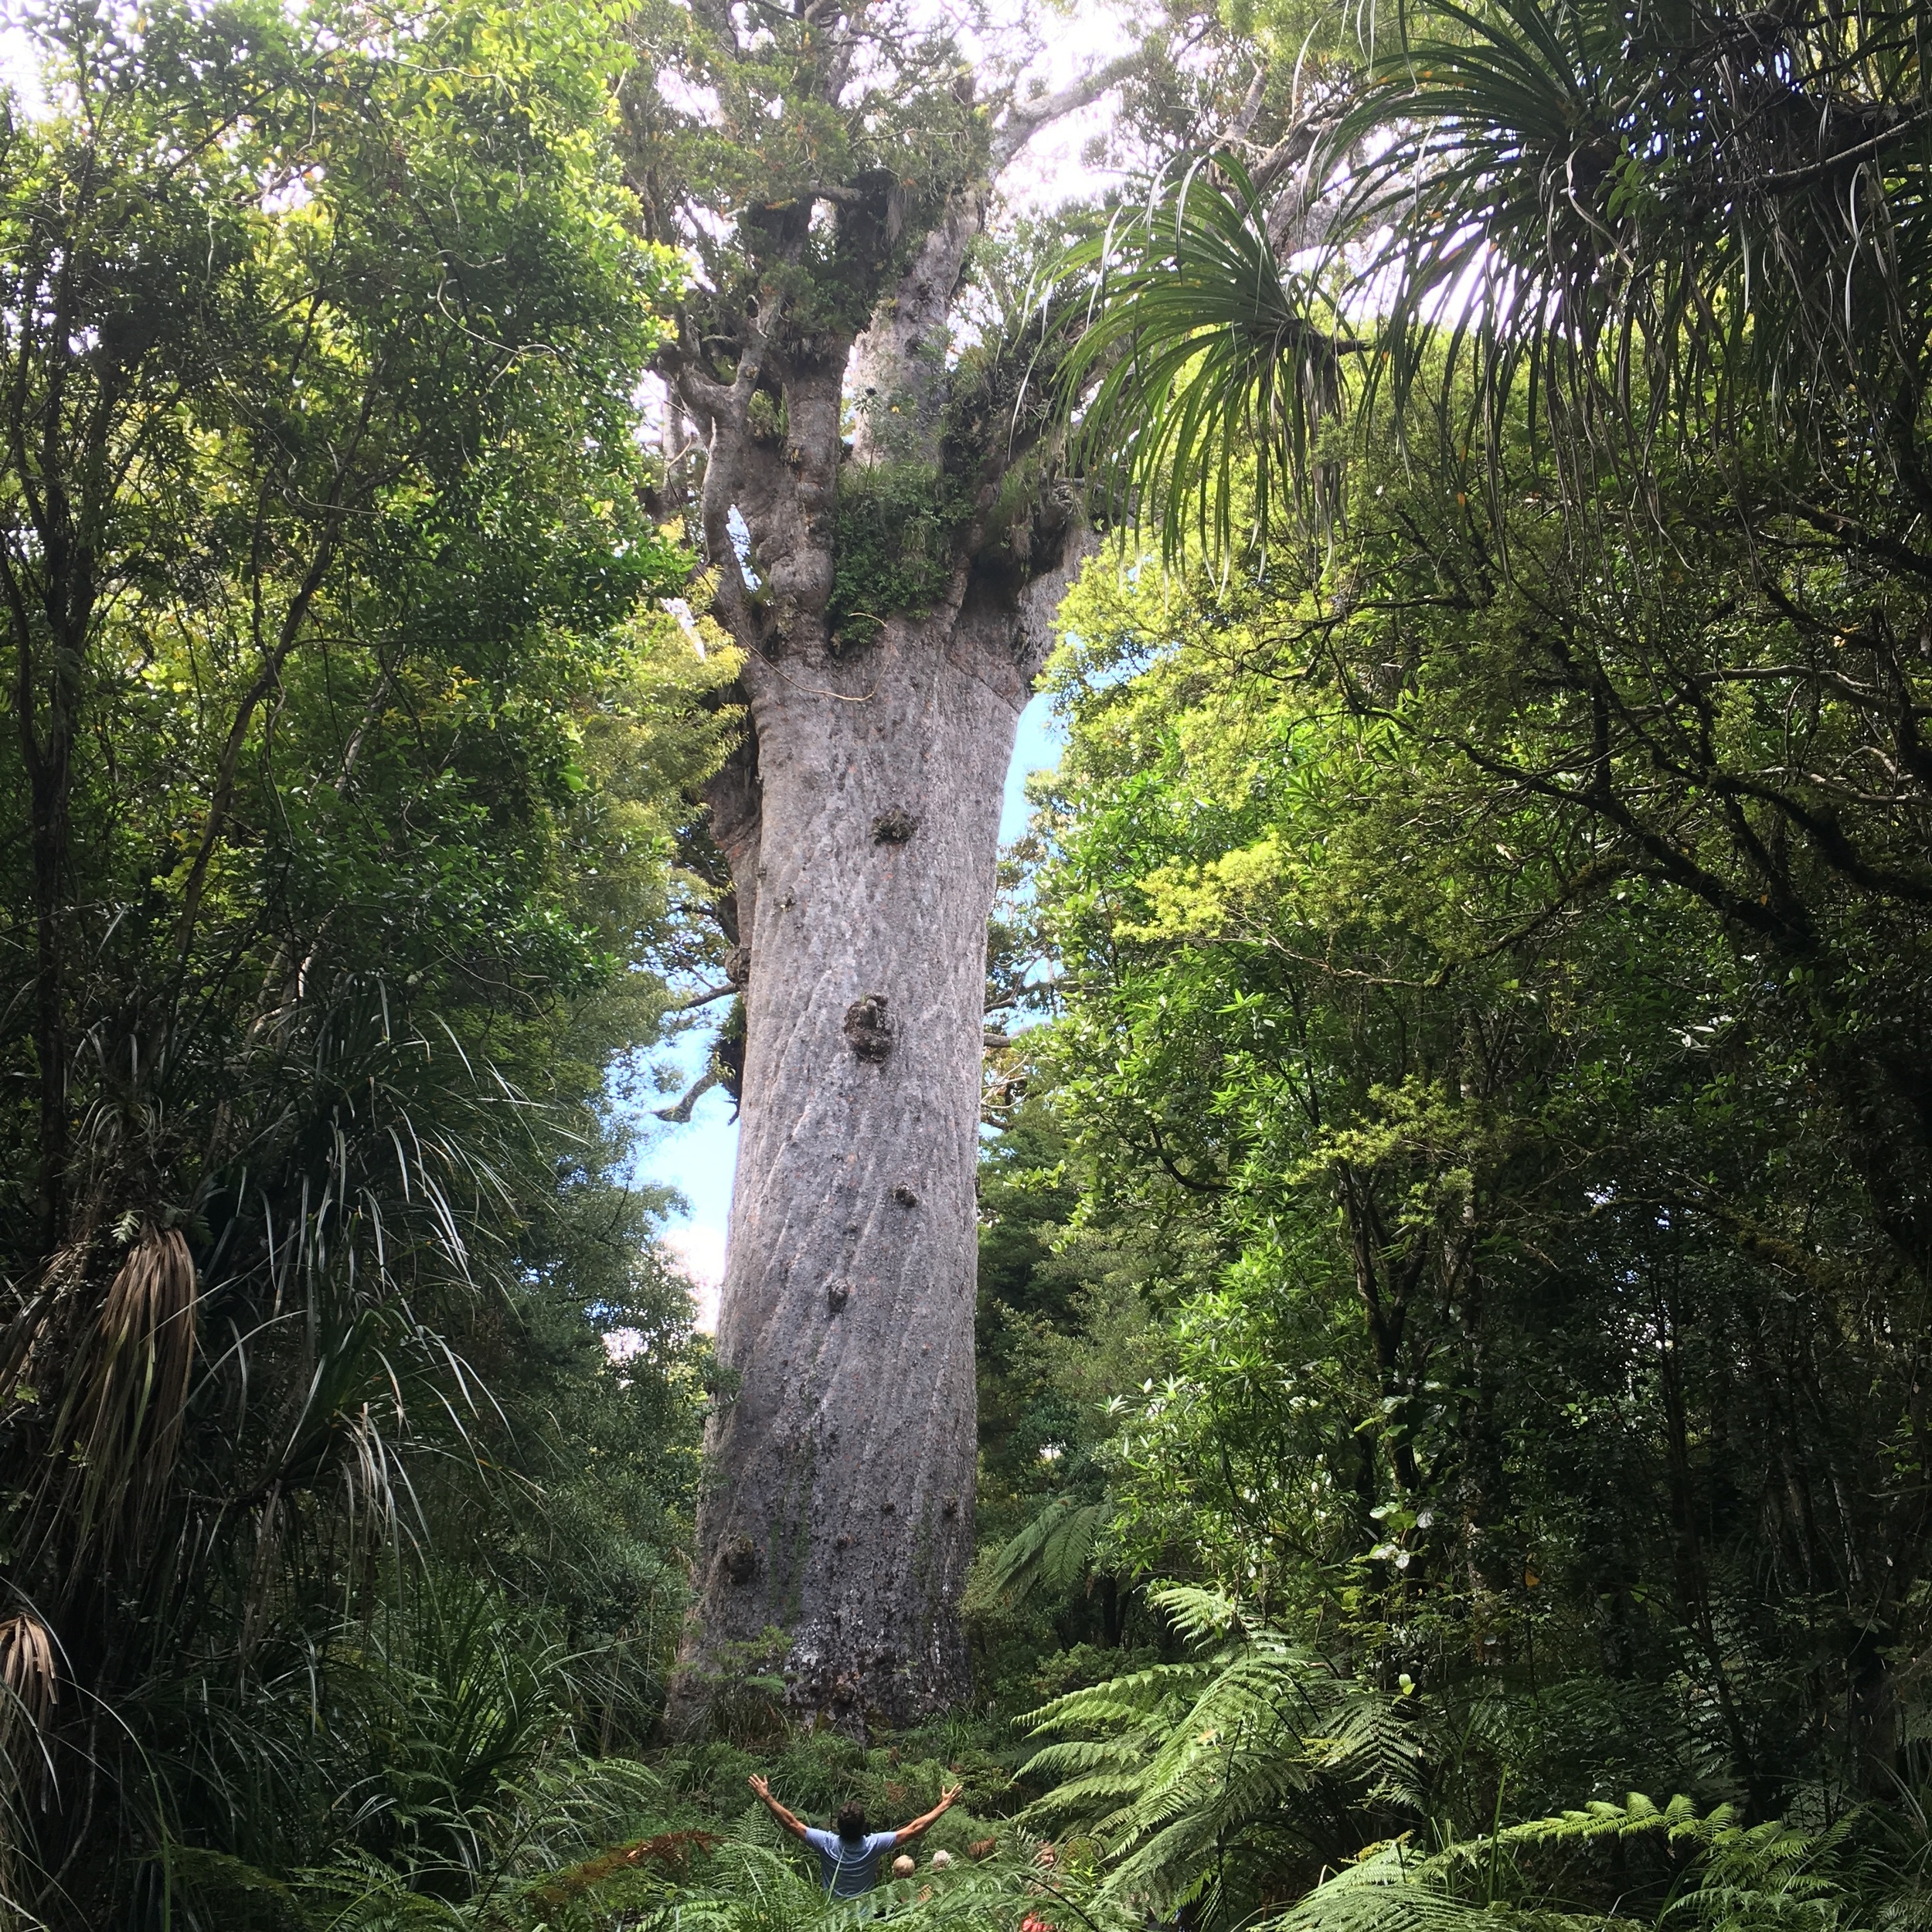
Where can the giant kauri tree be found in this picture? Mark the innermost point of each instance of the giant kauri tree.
(886, 546)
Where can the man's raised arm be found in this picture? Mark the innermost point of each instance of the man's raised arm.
(795, 1826)
(919, 1825)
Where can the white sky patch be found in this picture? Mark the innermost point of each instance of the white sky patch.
(701, 103)
(1049, 170)
(621, 1344)
(19, 70)
(698, 1248)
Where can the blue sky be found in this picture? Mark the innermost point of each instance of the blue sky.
(697, 1159)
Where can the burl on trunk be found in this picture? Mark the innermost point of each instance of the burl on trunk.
(859, 821)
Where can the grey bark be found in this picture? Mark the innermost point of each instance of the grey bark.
(860, 821)
(839, 1496)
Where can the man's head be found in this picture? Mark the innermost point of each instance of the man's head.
(852, 1821)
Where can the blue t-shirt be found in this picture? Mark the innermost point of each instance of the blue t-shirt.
(847, 1867)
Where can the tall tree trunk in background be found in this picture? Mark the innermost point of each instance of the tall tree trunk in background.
(860, 820)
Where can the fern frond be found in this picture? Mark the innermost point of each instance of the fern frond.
(1122, 1700)
(1198, 1613)
(1053, 1551)
(1186, 1767)
(1084, 1755)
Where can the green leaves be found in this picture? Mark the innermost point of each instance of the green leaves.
(1206, 371)
(351, 736)
(1450, 972)
(1651, 222)
(1632, 233)
(1194, 1778)
(897, 523)
(1053, 1552)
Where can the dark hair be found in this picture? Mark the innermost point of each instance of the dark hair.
(852, 1821)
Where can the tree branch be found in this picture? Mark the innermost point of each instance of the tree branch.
(1025, 118)
(705, 996)
(680, 1114)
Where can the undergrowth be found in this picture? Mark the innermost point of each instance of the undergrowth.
(1246, 1784)
(584, 1846)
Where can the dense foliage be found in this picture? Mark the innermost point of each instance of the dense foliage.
(348, 741)
(1536, 1320)
(1455, 1432)
(1490, 900)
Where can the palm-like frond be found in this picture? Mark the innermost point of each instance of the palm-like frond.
(1207, 369)
(1389, 1889)
(1665, 221)
(1634, 227)
(1766, 1876)
(1053, 1551)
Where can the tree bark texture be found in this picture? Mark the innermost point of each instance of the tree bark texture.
(860, 821)
(838, 1503)
(839, 1498)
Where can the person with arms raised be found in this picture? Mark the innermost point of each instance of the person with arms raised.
(848, 1856)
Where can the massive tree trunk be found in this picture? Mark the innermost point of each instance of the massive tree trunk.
(860, 821)
(839, 1501)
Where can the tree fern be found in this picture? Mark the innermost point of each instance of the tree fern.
(1054, 1550)
(1191, 1775)
(1769, 1878)
(1211, 1782)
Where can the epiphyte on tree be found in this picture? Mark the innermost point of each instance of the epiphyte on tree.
(894, 828)
(869, 1029)
(765, 416)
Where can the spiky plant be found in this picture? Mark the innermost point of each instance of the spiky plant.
(330, 588)
(1677, 228)
(1207, 369)
(1651, 231)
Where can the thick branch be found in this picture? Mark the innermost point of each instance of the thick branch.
(723, 412)
(1025, 118)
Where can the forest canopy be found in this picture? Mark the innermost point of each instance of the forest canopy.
(1454, 1208)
